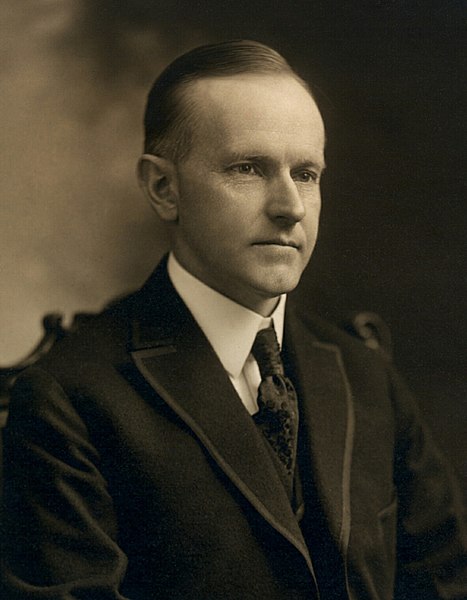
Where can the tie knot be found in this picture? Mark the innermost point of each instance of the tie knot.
(267, 353)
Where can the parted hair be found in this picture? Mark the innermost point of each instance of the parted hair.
(169, 116)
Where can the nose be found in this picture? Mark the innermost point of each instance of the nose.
(284, 200)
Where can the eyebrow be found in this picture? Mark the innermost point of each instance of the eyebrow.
(312, 163)
(257, 157)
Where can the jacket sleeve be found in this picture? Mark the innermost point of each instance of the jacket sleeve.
(59, 525)
(432, 541)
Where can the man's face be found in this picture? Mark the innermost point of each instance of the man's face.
(248, 190)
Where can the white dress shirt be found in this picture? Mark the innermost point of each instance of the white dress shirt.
(230, 328)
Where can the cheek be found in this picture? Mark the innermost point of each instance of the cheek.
(227, 221)
(211, 230)
(310, 224)
(312, 215)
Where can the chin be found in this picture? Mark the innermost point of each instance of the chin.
(279, 284)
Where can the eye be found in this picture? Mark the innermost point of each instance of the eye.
(306, 177)
(245, 169)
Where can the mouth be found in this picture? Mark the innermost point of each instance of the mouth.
(279, 242)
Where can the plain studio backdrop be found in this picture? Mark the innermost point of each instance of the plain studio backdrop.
(76, 231)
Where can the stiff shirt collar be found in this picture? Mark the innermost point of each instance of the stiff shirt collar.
(229, 327)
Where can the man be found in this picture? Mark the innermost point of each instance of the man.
(152, 454)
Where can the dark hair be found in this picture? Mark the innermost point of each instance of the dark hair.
(168, 117)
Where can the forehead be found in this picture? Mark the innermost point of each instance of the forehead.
(236, 111)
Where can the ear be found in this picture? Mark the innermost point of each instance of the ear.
(157, 178)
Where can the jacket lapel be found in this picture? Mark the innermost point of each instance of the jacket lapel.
(327, 420)
(173, 355)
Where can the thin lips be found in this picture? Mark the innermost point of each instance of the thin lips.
(278, 242)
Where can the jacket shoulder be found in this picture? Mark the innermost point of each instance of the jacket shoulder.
(364, 333)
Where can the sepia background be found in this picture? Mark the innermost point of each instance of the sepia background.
(75, 231)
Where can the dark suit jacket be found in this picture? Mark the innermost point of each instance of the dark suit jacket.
(134, 471)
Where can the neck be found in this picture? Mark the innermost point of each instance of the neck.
(261, 305)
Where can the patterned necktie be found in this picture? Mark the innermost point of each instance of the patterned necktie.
(277, 400)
